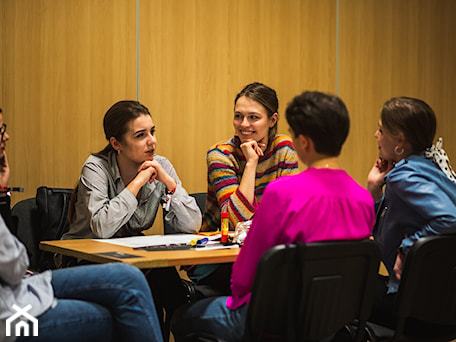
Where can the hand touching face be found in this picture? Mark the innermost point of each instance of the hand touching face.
(251, 121)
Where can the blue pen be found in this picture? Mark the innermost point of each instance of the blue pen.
(199, 242)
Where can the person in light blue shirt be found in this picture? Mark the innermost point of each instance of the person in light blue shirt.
(414, 187)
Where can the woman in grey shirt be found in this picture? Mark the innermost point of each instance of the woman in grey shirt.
(110, 302)
(121, 188)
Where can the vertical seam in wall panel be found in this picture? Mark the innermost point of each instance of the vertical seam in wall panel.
(337, 47)
(137, 50)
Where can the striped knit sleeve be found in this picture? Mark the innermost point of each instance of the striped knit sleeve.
(288, 160)
(224, 179)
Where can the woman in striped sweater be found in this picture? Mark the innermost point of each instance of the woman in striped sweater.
(240, 168)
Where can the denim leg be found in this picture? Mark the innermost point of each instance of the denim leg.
(120, 288)
(212, 316)
(74, 321)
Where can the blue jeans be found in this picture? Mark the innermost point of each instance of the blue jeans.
(110, 302)
(211, 316)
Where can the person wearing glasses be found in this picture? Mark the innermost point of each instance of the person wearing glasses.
(121, 188)
(5, 200)
(111, 302)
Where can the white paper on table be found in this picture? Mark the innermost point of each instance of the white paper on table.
(155, 240)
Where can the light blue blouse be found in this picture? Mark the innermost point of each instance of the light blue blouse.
(419, 200)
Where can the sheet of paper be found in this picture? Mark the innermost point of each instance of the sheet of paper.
(154, 240)
(215, 245)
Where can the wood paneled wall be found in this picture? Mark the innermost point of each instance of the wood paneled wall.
(63, 63)
(395, 48)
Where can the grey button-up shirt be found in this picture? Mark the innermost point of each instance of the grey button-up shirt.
(14, 287)
(105, 208)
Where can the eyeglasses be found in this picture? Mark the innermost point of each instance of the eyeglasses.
(3, 131)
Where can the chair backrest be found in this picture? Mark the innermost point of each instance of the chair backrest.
(26, 221)
(200, 198)
(306, 292)
(427, 291)
(42, 218)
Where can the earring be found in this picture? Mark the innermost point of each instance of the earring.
(118, 151)
(396, 150)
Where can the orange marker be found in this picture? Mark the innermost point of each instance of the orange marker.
(224, 227)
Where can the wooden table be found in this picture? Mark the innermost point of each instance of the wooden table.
(92, 250)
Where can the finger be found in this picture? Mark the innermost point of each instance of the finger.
(153, 176)
(260, 151)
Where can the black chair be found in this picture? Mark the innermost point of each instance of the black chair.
(308, 292)
(26, 221)
(426, 301)
(194, 291)
(311, 292)
(43, 217)
(200, 198)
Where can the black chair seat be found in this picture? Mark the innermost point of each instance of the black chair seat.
(425, 305)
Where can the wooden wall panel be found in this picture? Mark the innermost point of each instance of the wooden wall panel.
(196, 55)
(395, 48)
(65, 63)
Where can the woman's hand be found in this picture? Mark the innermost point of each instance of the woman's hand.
(375, 178)
(399, 265)
(156, 171)
(4, 170)
(147, 172)
(252, 150)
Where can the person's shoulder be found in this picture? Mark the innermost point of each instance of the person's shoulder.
(223, 147)
(281, 141)
(162, 160)
(284, 183)
(223, 144)
(412, 166)
(96, 159)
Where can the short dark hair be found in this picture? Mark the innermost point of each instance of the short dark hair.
(412, 117)
(116, 119)
(321, 117)
(265, 96)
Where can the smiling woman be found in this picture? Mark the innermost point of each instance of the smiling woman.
(240, 168)
(121, 187)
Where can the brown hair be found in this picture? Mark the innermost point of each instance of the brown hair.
(115, 124)
(321, 117)
(265, 96)
(412, 117)
(116, 119)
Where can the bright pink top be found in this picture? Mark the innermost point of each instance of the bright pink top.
(315, 205)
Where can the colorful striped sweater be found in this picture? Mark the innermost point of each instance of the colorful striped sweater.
(226, 163)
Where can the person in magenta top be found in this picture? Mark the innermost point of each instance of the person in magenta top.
(321, 203)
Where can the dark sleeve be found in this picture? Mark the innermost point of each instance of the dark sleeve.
(5, 212)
